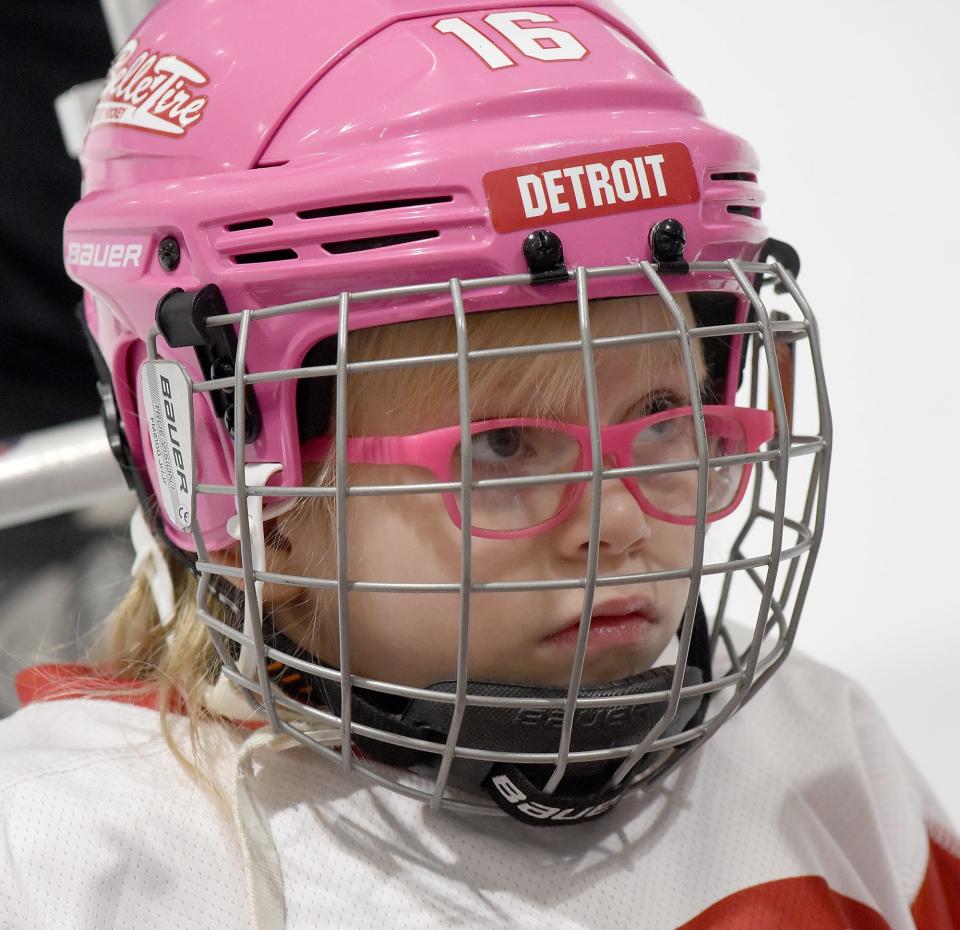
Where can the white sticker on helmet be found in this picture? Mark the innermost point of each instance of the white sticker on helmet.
(168, 400)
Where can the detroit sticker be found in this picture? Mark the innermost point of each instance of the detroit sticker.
(168, 406)
(584, 186)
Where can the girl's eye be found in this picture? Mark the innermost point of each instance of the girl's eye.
(664, 431)
(654, 403)
(495, 445)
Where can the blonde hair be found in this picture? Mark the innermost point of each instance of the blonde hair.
(176, 663)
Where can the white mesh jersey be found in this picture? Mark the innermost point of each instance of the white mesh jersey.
(801, 813)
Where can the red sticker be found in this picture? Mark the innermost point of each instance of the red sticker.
(598, 184)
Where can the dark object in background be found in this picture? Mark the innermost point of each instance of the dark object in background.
(55, 576)
(46, 376)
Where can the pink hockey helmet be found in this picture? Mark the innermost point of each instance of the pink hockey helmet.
(376, 145)
(337, 168)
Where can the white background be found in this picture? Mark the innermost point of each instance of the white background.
(854, 110)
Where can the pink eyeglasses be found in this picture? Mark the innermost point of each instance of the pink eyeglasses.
(530, 448)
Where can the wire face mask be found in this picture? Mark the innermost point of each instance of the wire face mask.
(544, 754)
(232, 361)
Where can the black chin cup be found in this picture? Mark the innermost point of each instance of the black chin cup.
(584, 792)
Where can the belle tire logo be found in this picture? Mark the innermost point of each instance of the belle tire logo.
(151, 91)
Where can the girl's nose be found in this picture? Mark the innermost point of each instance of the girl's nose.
(624, 527)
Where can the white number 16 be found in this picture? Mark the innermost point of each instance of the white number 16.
(544, 43)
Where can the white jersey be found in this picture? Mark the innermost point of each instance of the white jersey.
(801, 813)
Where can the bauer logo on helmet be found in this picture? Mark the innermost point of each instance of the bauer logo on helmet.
(104, 254)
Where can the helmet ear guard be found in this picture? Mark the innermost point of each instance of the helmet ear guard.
(150, 540)
(136, 478)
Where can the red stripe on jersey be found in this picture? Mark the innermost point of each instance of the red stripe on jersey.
(788, 904)
(60, 682)
(937, 906)
(55, 682)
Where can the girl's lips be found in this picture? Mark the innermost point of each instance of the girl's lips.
(618, 623)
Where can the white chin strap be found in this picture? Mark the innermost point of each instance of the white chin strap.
(149, 564)
(225, 697)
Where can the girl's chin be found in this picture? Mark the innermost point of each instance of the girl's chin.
(547, 668)
(612, 665)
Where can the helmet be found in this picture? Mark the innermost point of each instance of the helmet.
(259, 186)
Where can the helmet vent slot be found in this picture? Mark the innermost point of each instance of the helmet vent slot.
(377, 242)
(743, 210)
(348, 208)
(734, 176)
(250, 224)
(275, 255)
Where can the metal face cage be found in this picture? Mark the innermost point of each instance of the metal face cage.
(766, 572)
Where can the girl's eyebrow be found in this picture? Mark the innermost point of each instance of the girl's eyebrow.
(658, 399)
(507, 404)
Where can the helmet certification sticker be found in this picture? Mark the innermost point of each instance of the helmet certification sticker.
(168, 401)
(584, 186)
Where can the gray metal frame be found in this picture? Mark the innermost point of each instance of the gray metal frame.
(779, 594)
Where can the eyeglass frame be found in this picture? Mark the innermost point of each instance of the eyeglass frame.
(434, 449)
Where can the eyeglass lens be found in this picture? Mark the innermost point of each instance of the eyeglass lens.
(534, 451)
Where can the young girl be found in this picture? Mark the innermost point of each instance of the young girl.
(429, 394)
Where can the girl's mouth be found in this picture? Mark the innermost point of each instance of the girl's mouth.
(617, 623)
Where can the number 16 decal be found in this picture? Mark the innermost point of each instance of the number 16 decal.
(542, 43)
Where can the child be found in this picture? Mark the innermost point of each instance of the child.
(359, 670)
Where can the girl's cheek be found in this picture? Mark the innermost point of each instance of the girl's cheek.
(672, 546)
(508, 559)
